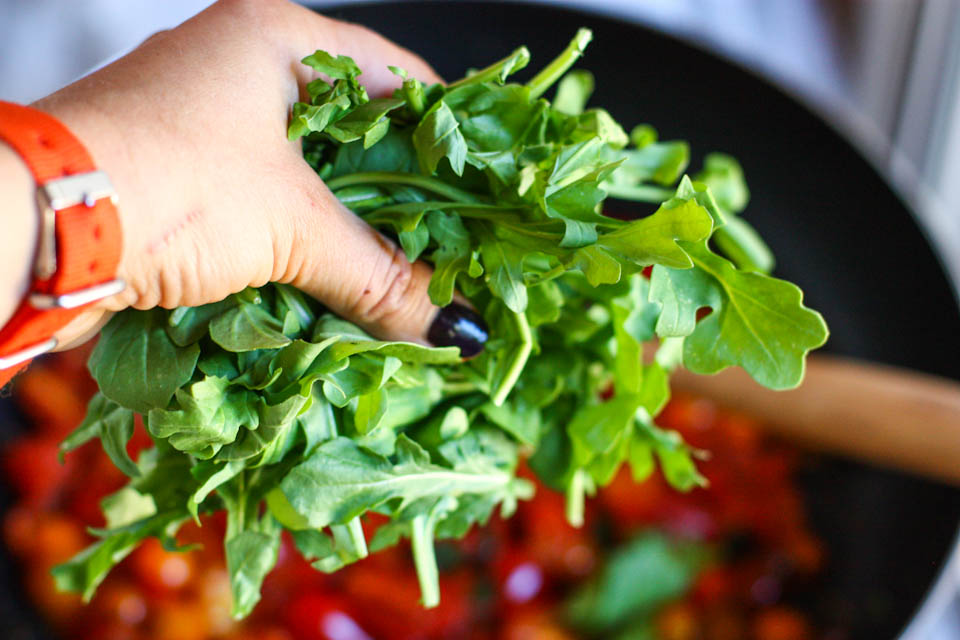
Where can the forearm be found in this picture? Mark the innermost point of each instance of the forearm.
(18, 240)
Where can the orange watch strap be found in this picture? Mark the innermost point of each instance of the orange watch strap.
(88, 238)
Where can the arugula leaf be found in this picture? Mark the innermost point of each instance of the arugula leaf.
(136, 364)
(111, 423)
(438, 136)
(340, 481)
(85, 571)
(756, 322)
(573, 91)
(269, 407)
(251, 555)
(616, 596)
(247, 327)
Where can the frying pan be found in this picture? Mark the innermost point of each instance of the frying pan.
(836, 228)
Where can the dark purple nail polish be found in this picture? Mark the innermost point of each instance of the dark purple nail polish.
(459, 326)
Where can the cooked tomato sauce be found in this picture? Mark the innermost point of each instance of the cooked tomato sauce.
(508, 580)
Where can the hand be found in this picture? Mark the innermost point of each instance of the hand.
(191, 128)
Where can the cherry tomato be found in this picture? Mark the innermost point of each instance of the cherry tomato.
(318, 615)
(161, 571)
(551, 541)
(780, 623)
(59, 607)
(52, 400)
(519, 579)
(180, 620)
(677, 621)
(120, 603)
(33, 467)
(535, 624)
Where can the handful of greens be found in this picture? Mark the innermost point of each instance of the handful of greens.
(269, 407)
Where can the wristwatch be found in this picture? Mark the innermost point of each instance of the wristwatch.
(80, 235)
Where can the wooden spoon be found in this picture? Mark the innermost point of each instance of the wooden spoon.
(881, 414)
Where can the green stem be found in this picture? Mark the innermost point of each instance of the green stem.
(351, 544)
(237, 517)
(744, 246)
(638, 193)
(425, 560)
(458, 388)
(555, 272)
(575, 498)
(517, 361)
(413, 92)
(552, 72)
(357, 539)
(670, 353)
(497, 71)
(426, 183)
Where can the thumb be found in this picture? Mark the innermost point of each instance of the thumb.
(366, 278)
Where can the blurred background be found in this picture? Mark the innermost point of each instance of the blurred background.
(885, 74)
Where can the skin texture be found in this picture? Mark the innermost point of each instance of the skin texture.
(191, 128)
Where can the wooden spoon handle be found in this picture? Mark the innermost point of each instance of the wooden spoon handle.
(867, 411)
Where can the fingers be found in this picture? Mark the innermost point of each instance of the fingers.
(366, 278)
(371, 51)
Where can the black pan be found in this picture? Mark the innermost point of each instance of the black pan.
(837, 230)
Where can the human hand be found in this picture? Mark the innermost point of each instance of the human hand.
(191, 128)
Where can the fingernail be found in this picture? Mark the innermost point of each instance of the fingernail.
(459, 326)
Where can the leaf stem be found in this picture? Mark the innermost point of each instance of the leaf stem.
(575, 498)
(670, 353)
(552, 72)
(349, 537)
(357, 539)
(555, 272)
(413, 92)
(457, 388)
(638, 193)
(424, 182)
(497, 71)
(425, 560)
(517, 361)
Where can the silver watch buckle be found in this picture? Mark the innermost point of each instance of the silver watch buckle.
(31, 352)
(78, 298)
(63, 193)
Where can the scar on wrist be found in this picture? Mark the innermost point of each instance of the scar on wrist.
(163, 241)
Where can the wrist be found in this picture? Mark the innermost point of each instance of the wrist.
(20, 237)
(72, 258)
(101, 140)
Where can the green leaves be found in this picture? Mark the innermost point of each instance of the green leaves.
(85, 571)
(617, 596)
(251, 555)
(340, 481)
(438, 136)
(137, 365)
(248, 327)
(655, 239)
(111, 423)
(269, 407)
(756, 322)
